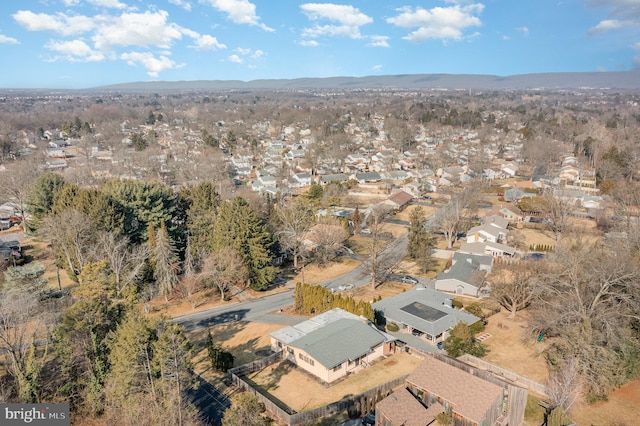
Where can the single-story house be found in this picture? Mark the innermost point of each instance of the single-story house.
(473, 397)
(425, 310)
(402, 408)
(466, 275)
(399, 200)
(333, 344)
(367, 177)
(487, 248)
(338, 177)
(486, 232)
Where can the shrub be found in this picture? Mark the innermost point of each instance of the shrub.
(392, 326)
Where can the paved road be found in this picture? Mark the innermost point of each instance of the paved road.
(209, 401)
(250, 310)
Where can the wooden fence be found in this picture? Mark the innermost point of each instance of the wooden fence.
(355, 405)
(517, 379)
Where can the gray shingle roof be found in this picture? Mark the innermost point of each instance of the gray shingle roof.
(446, 318)
(339, 341)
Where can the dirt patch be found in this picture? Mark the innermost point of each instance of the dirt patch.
(621, 408)
(279, 379)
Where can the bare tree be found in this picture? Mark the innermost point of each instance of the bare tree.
(22, 323)
(515, 286)
(72, 234)
(328, 237)
(589, 299)
(557, 213)
(224, 268)
(380, 265)
(565, 384)
(127, 262)
(293, 220)
(455, 217)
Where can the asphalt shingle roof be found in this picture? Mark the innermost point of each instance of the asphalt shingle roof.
(339, 341)
(395, 309)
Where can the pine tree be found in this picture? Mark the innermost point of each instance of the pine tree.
(238, 226)
(165, 262)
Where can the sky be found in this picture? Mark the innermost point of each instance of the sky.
(76, 44)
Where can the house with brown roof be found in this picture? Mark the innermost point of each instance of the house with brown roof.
(441, 384)
(399, 200)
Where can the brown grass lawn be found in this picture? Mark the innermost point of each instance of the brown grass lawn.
(511, 346)
(314, 274)
(620, 410)
(247, 341)
(301, 392)
(385, 290)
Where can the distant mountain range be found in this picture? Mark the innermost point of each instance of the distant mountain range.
(623, 80)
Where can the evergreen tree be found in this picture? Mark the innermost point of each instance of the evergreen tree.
(164, 262)
(246, 409)
(461, 341)
(200, 204)
(420, 241)
(238, 226)
(43, 193)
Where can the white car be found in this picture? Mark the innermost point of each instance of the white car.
(408, 280)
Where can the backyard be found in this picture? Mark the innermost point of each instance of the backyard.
(281, 379)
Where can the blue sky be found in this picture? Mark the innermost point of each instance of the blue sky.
(88, 43)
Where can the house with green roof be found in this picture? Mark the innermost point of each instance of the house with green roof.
(333, 344)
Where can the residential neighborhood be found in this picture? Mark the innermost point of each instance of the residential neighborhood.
(375, 256)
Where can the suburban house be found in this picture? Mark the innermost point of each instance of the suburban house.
(338, 177)
(486, 232)
(403, 408)
(368, 177)
(441, 384)
(466, 275)
(399, 200)
(508, 211)
(487, 248)
(424, 310)
(333, 344)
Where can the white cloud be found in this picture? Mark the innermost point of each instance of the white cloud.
(8, 40)
(60, 23)
(105, 34)
(609, 25)
(348, 18)
(240, 12)
(207, 42)
(379, 41)
(309, 43)
(446, 23)
(136, 29)
(182, 3)
(75, 51)
(249, 53)
(153, 65)
(524, 30)
(108, 3)
(376, 68)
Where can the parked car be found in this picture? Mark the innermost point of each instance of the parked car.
(345, 287)
(416, 332)
(365, 231)
(408, 280)
(440, 346)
